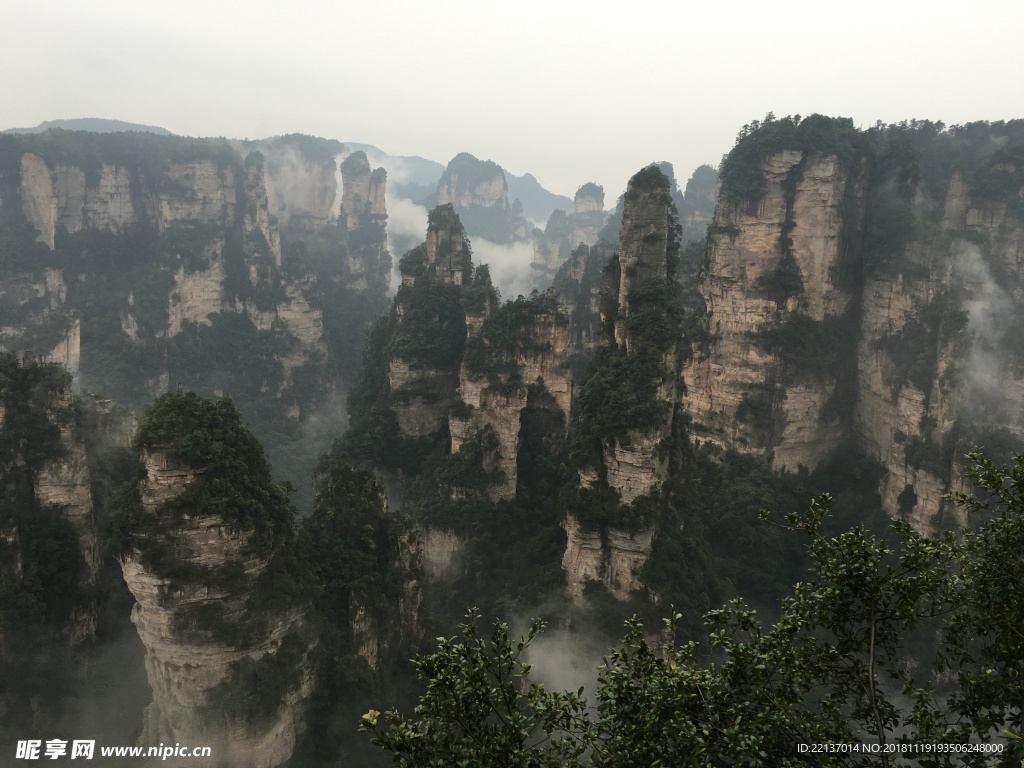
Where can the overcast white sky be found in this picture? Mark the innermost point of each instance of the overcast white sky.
(569, 91)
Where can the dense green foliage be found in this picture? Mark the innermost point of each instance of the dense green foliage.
(235, 481)
(47, 589)
(916, 347)
(783, 281)
(432, 332)
(357, 557)
(352, 543)
(41, 564)
(255, 690)
(480, 708)
(508, 333)
(805, 346)
(124, 287)
(741, 175)
(619, 391)
(832, 668)
(618, 394)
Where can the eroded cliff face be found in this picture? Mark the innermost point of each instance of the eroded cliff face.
(478, 191)
(362, 190)
(112, 197)
(496, 393)
(187, 661)
(422, 386)
(204, 242)
(738, 373)
(49, 464)
(257, 209)
(442, 552)
(301, 191)
(420, 396)
(66, 483)
(377, 634)
(631, 462)
(563, 233)
(612, 557)
(851, 305)
(470, 182)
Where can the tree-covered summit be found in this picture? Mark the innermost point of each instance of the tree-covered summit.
(236, 479)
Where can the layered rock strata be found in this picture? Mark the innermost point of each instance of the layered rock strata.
(563, 233)
(630, 464)
(362, 191)
(185, 662)
(743, 252)
(921, 370)
(540, 355)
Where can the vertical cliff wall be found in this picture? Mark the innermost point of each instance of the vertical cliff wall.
(362, 190)
(773, 280)
(426, 348)
(850, 289)
(202, 533)
(521, 345)
(563, 233)
(628, 399)
(478, 191)
(45, 473)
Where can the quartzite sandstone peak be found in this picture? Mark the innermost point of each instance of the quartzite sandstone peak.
(850, 302)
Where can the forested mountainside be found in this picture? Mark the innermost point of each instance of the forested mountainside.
(592, 451)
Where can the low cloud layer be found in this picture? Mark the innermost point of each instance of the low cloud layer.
(510, 265)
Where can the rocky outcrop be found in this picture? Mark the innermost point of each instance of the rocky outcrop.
(494, 386)
(908, 362)
(187, 663)
(44, 469)
(551, 249)
(468, 182)
(442, 551)
(376, 632)
(564, 233)
(447, 250)
(421, 390)
(478, 191)
(420, 396)
(631, 463)
(362, 191)
(301, 191)
(37, 197)
(194, 297)
(68, 352)
(612, 557)
(212, 193)
(257, 209)
(113, 197)
(34, 317)
(589, 198)
(65, 482)
(802, 199)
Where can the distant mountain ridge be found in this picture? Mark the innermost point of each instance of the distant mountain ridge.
(538, 202)
(93, 124)
(417, 181)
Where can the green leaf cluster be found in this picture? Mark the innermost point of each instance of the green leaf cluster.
(833, 667)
